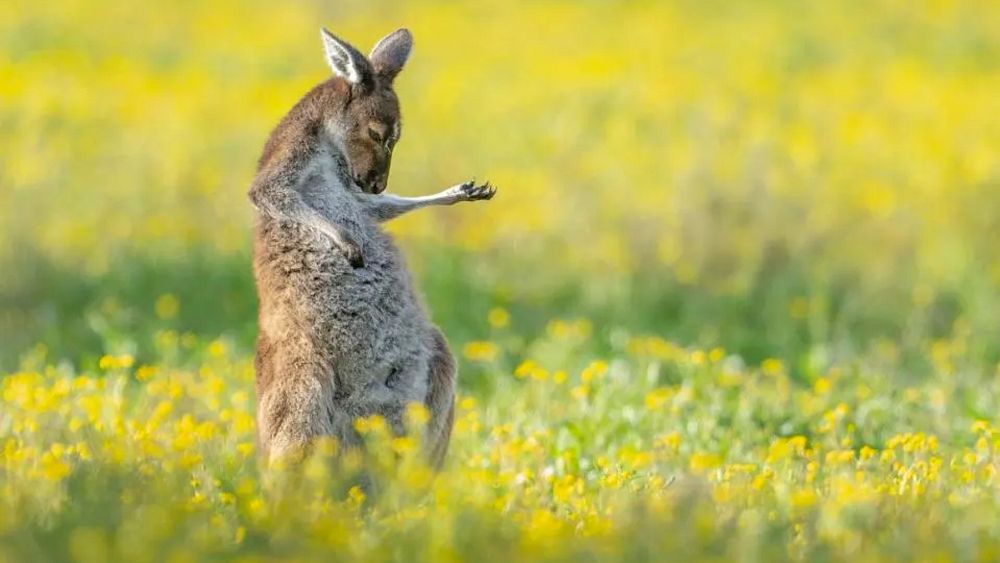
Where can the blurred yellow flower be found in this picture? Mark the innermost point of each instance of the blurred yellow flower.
(702, 462)
(109, 362)
(658, 397)
(167, 306)
(499, 317)
(480, 351)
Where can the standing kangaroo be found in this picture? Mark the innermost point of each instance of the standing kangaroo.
(342, 331)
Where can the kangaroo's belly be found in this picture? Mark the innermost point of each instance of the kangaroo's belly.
(364, 328)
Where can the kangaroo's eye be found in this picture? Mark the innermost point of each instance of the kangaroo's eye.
(375, 135)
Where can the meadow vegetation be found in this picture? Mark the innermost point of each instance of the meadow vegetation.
(737, 298)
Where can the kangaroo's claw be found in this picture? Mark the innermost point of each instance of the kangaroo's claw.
(472, 192)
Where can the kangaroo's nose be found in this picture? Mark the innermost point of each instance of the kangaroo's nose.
(368, 182)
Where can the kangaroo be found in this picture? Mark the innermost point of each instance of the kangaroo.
(342, 331)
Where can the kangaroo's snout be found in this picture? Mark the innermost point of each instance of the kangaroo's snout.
(373, 182)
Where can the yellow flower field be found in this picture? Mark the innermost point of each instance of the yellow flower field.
(738, 297)
(662, 451)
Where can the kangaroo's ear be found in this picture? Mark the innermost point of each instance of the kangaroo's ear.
(390, 53)
(346, 61)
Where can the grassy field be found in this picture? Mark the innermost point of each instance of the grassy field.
(738, 297)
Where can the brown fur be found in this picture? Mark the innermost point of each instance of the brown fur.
(441, 399)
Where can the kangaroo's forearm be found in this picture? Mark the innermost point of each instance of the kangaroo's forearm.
(284, 203)
(389, 206)
(281, 202)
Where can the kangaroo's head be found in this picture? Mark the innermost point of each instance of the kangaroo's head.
(369, 123)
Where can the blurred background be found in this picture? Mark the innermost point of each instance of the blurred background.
(804, 180)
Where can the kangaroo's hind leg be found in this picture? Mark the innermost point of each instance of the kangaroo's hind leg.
(294, 407)
(440, 399)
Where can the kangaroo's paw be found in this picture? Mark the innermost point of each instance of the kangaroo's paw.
(352, 251)
(472, 192)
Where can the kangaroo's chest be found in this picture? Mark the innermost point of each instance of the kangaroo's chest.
(362, 320)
